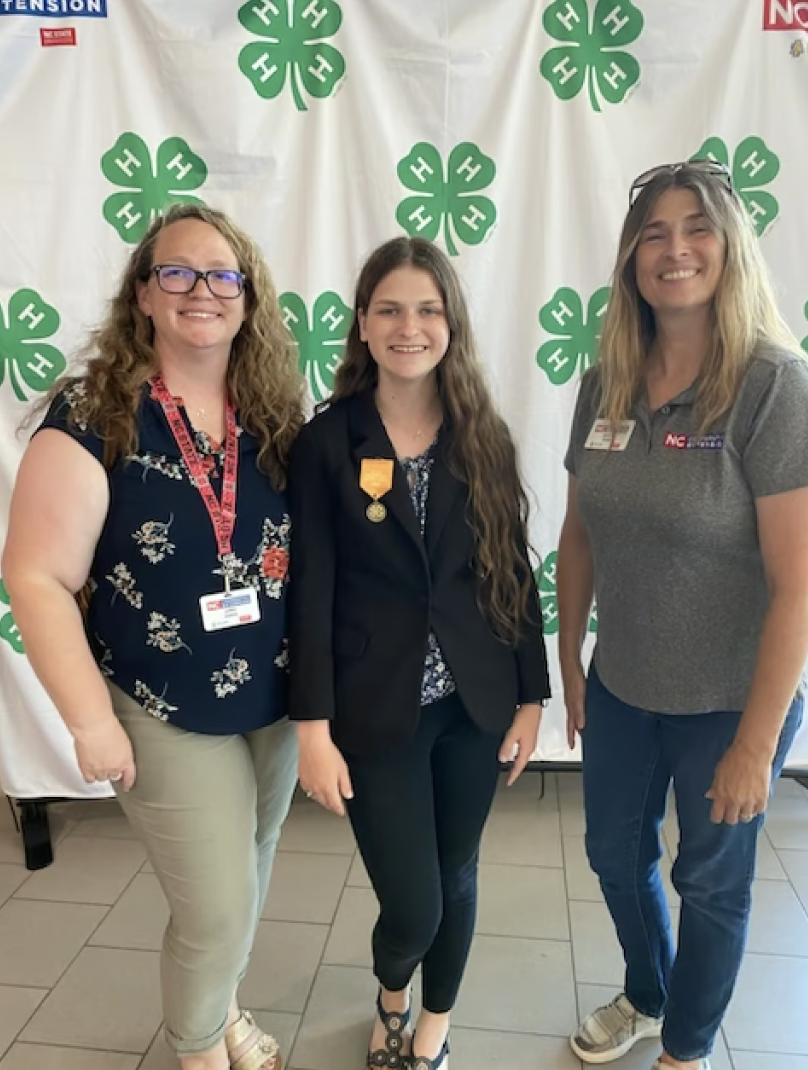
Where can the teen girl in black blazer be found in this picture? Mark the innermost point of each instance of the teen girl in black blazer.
(417, 656)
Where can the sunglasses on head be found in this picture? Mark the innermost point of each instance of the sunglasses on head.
(705, 167)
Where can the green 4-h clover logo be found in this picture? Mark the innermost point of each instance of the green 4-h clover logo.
(591, 49)
(575, 344)
(753, 165)
(546, 582)
(320, 339)
(30, 362)
(450, 196)
(293, 46)
(8, 629)
(148, 190)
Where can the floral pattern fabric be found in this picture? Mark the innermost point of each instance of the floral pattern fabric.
(157, 556)
(437, 680)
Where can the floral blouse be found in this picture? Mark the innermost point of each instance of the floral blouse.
(157, 556)
(437, 681)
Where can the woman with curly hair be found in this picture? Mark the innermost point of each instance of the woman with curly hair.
(687, 519)
(417, 656)
(154, 489)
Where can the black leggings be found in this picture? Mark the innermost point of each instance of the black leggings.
(418, 815)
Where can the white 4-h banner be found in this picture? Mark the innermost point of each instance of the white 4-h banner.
(507, 131)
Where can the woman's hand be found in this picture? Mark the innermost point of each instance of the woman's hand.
(104, 752)
(521, 739)
(740, 788)
(323, 772)
(574, 699)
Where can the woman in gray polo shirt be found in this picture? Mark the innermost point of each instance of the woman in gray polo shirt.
(687, 520)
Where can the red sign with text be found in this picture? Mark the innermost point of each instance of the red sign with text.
(785, 15)
(52, 38)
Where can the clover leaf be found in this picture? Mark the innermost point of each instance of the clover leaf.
(148, 190)
(320, 338)
(574, 347)
(293, 47)
(29, 361)
(591, 50)
(450, 199)
(753, 165)
(545, 578)
(8, 628)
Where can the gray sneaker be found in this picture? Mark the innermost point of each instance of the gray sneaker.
(611, 1031)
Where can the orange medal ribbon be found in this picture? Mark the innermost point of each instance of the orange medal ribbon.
(375, 479)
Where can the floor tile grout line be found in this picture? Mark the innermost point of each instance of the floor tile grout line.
(320, 962)
(726, 1046)
(80, 1047)
(82, 948)
(14, 1039)
(791, 883)
(157, 1032)
(68, 902)
(564, 857)
(36, 988)
(756, 1051)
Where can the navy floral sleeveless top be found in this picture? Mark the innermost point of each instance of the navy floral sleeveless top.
(157, 556)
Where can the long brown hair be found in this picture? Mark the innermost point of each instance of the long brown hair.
(481, 451)
(744, 311)
(263, 379)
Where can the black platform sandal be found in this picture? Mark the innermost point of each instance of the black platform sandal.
(391, 1056)
(420, 1062)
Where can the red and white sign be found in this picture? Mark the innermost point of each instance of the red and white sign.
(676, 442)
(51, 38)
(785, 15)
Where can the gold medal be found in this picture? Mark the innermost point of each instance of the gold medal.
(376, 479)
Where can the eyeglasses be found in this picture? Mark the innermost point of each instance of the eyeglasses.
(705, 167)
(222, 282)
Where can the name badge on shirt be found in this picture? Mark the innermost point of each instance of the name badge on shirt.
(229, 609)
(605, 436)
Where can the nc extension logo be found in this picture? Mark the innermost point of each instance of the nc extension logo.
(56, 9)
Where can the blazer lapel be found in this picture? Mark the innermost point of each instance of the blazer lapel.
(444, 490)
(369, 439)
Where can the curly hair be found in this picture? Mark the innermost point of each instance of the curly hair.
(263, 379)
(481, 451)
(744, 312)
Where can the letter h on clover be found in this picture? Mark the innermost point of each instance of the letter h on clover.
(449, 200)
(30, 362)
(545, 578)
(591, 50)
(575, 342)
(753, 165)
(320, 337)
(293, 46)
(148, 190)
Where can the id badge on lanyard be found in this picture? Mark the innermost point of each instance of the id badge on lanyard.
(232, 606)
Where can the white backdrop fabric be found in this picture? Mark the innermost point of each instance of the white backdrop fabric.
(507, 130)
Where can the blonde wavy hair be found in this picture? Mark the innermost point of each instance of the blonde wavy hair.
(263, 379)
(744, 313)
(481, 451)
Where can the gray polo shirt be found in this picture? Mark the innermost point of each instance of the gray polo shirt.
(679, 577)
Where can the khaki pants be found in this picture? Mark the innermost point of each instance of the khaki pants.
(209, 810)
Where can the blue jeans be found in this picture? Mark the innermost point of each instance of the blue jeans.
(630, 758)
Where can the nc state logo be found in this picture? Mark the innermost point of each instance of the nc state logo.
(785, 15)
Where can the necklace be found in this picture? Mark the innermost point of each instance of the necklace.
(411, 434)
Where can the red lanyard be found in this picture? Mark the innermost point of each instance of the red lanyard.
(222, 514)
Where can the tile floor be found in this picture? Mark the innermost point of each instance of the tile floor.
(79, 945)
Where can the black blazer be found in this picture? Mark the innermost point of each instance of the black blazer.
(363, 595)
